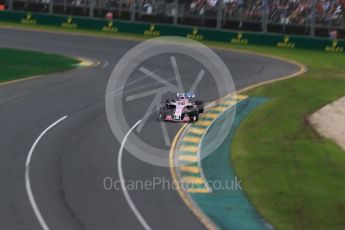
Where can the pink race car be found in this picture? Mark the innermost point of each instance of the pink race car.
(183, 108)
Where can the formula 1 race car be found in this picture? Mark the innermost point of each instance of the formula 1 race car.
(183, 108)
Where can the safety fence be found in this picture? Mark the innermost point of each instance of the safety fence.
(154, 30)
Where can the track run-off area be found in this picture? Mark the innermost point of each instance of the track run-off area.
(57, 149)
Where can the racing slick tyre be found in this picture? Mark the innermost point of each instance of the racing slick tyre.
(161, 117)
(194, 118)
(200, 105)
(162, 114)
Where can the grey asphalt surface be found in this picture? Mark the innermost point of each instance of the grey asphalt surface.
(71, 161)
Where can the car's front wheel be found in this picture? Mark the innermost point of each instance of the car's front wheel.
(194, 118)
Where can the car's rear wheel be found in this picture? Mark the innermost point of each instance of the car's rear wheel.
(161, 117)
(200, 106)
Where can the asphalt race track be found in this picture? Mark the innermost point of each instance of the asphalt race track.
(70, 162)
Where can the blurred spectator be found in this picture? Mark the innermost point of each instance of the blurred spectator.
(333, 34)
(280, 11)
(147, 7)
(109, 15)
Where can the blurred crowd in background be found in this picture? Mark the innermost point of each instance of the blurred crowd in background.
(281, 16)
(278, 11)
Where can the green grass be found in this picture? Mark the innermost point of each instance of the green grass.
(17, 64)
(294, 177)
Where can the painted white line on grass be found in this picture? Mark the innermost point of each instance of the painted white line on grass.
(123, 183)
(27, 176)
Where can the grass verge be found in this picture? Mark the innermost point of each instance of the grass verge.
(18, 64)
(294, 177)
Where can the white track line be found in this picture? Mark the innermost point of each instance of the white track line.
(123, 183)
(27, 177)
